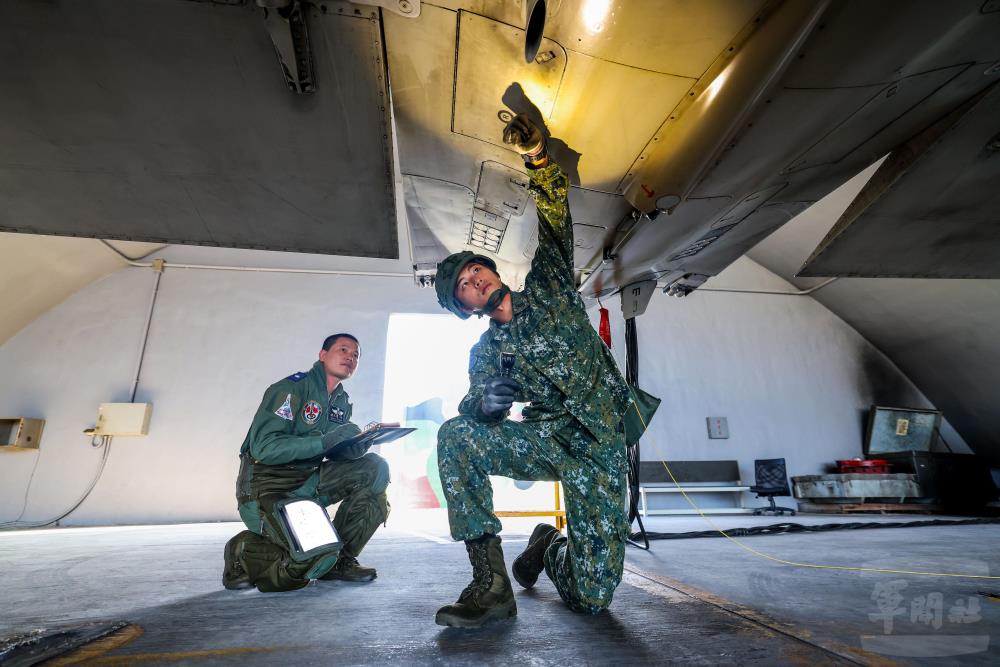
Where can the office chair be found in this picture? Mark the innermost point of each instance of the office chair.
(771, 480)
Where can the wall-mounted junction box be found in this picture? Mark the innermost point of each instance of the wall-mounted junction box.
(20, 433)
(718, 428)
(120, 419)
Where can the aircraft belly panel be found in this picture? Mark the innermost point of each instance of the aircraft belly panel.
(768, 107)
(884, 108)
(421, 55)
(490, 60)
(608, 112)
(864, 43)
(676, 37)
(931, 211)
(438, 214)
(178, 128)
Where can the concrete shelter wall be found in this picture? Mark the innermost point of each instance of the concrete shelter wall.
(792, 378)
(216, 341)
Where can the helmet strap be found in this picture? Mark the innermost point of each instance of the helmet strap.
(494, 301)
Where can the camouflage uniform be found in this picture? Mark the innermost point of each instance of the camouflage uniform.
(281, 457)
(572, 429)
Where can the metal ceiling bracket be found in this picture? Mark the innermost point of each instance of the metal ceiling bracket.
(686, 284)
(623, 232)
(424, 274)
(407, 8)
(285, 21)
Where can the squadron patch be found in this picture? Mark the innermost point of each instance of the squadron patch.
(310, 412)
(285, 411)
(336, 415)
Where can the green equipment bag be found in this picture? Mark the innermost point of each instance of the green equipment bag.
(639, 414)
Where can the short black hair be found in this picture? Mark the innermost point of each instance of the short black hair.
(331, 339)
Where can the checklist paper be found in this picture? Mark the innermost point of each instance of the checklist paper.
(309, 524)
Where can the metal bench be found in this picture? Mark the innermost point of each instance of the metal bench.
(695, 477)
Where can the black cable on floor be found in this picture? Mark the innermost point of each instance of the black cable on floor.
(632, 452)
(785, 528)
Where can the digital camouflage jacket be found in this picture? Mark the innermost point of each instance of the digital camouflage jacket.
(563, 367)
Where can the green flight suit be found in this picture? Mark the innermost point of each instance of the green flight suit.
(572, 429)
(281, 457)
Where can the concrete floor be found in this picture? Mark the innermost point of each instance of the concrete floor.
(703, 601)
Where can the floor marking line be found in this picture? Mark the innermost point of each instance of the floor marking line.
(836, 649)
(96, 648)
(138, 658)
(426, 536)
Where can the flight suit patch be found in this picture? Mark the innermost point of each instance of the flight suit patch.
(310, 412)
(285, 411)
(336, 415)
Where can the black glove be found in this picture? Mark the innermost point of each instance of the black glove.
(351, 453)
(337, 435)
(526, 139)
(498, 396)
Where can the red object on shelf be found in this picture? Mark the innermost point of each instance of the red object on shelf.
(864, 466)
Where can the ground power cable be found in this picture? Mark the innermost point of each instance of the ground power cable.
(105, 442)
(787, 528)
(27, 490)
(632, 452)
(813, 565)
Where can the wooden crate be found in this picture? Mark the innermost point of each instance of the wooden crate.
(862, 508)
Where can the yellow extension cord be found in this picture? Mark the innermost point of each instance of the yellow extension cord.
(793, 563)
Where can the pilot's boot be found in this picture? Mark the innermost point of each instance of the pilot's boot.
(347, 568)
(489, 597)
(531, 562)
(234, 577)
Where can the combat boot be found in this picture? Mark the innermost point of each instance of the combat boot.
(531, 562)
(234, 577)
(347, 568)
(489, 597)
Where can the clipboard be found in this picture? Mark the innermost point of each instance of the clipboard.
(307, 528)
(372, 437)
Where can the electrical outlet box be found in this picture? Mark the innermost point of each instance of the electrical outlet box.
(718, 428)
(18, 433)
(123, 419)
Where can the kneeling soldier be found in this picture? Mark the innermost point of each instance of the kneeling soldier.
(540, 347)
(300, 419)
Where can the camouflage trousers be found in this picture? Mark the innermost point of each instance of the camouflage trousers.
(586, 566)
(359, 486)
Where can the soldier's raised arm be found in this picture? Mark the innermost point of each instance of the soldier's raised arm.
(549, 188)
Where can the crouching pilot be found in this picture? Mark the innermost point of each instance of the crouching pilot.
(286, 454)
